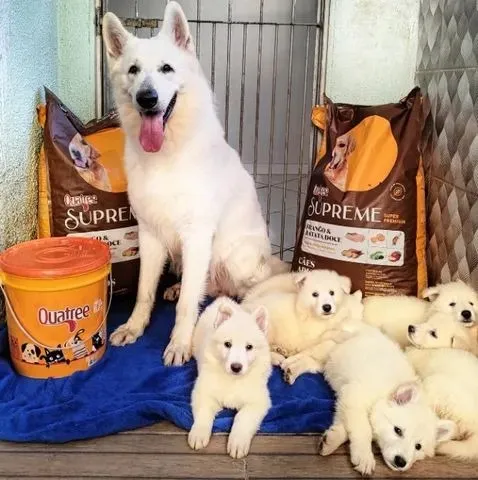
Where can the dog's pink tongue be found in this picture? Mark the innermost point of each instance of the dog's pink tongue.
(151, 135)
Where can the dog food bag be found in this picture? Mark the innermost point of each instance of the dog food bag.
(364, 214)
(82, 187)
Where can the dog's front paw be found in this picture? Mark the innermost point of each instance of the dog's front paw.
(199, 437)
(171, 294)
(124, 335)
(363, 462)
(179, 348)
(238, 444)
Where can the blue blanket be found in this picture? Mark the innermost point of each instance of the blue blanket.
(130, 388)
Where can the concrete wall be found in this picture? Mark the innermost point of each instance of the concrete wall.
(372, 50)
(45, 42)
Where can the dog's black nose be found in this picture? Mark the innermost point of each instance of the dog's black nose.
(466, 314)
(147, 99)
(236, 367)
(326, 308)
(399, 461)
(411, 329)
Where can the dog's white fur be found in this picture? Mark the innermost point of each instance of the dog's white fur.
(227, 336)
(441, 330)
(297, 318)
(193, 199)
(450, 381)
(377, 390)
(393, 314)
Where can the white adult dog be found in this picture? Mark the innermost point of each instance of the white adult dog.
(234, 365)
(378, 398)
(190, 193)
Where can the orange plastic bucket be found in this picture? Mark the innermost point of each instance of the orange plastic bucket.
(56, 296)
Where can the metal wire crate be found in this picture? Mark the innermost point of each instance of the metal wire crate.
(264, 61)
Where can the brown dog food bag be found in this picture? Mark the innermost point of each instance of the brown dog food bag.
(364, 215)
(82, 186)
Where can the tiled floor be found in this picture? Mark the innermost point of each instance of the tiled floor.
(283, 212)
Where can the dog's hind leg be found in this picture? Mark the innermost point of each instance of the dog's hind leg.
(153, 255)
(171, 294)
(196, 257)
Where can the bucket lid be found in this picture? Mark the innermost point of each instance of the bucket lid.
(54, 257)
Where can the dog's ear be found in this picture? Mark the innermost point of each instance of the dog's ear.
(23, 347)
(299, 279)
(345, 284)
(115, 35)
(405, 393)
(37, 350)
(446, 430)
(224, 312)
(358, 295)
(351, 144)
(261, 316)
(431, 293)
(175, 25)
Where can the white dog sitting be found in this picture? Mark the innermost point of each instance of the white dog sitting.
(450, 381)
(393, 314)
(302, 307)
(234, 365)
(378, 398)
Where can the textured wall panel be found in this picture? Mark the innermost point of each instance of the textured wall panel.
(448, 73)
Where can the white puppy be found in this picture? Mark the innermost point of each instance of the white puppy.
(302, 307)
(234, 365)
(393, 314)
(442, 331)
(378, 398)
(194, 201)
(450, 381)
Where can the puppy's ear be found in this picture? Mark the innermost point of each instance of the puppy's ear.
(115, 35)
(431, 293)
(358, 295)
(405, 393)
(299, 279)
(176, 26)
(345, 284)
(446, 430)
(224, 312)
(351, 145)
(261, 315)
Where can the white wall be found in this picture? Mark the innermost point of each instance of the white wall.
(372, 50)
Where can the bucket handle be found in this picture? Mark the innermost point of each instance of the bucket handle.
(49, 347)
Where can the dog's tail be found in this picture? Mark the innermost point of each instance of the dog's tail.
(466, 449)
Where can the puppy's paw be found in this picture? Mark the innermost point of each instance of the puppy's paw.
(363, 462)
(327, 445)
(171, 294)
(199, 437)
(238, 444)
(294, 367)
(279, 350)
(124, 335)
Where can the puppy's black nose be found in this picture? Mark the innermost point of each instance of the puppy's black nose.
(326, 308)
(466, 314)
(411, 329)
(399, 461)
(236, 367)
(147, 99)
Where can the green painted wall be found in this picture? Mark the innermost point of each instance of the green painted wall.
(42, 42)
